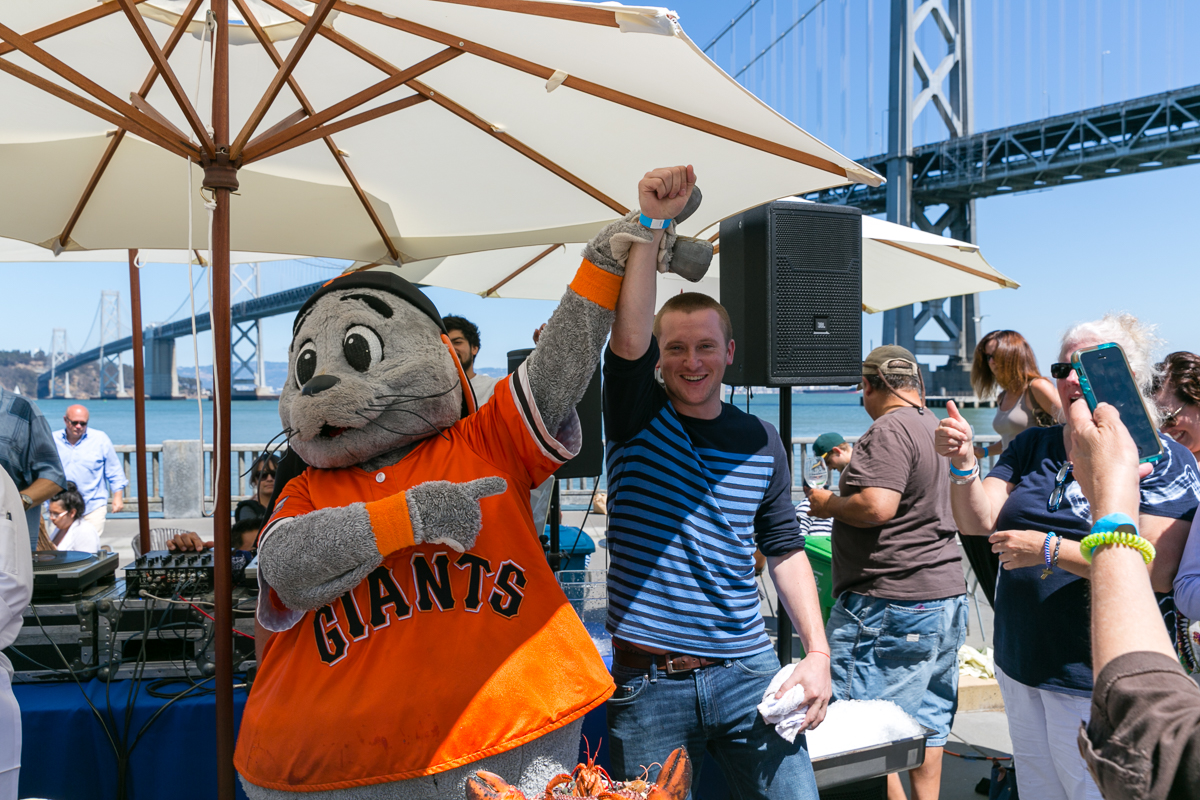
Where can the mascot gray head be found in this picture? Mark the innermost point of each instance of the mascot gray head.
(370, 371)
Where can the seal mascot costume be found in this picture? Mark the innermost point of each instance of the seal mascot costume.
(418, 634)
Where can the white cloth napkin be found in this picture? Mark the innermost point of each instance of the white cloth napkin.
(787, 715)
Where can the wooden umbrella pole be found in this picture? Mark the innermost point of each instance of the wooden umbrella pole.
(139, 402)
(221, 177)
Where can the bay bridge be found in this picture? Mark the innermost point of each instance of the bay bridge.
(901, 83)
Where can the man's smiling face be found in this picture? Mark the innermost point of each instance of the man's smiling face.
(693, 355)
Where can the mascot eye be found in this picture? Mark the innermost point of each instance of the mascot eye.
(362, 347)
(306, 364)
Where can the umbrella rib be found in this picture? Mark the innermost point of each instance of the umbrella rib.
(522, 268)
(67, 24)
(519, 146)
(284, 72)
(89, 86)
(291, 119)
(143, 105)
(960, 267)
(596, 90)
(307, 108)
(325, 131)
(397, 79)
(172, 40)
(164, 69)
(459, 46)
(106, 114)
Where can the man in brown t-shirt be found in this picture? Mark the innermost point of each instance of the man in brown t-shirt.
(901, 607)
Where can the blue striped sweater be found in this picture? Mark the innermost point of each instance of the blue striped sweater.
(689, 499)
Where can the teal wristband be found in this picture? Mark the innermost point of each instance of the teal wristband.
(653, 224)
(1116, 522)
(962, 473)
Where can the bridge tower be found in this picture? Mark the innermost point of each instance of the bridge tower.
(112, 371)
(249, 373)
(945, 82)
(58, 354)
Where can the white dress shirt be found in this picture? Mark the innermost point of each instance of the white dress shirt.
(90, 463)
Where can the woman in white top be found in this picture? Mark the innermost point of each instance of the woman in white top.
(16, 587)
(1004, 361)
(73, 531)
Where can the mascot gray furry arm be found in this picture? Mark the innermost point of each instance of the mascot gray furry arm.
(336, 418)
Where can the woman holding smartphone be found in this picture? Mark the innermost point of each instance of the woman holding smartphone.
(1004, 362)
(1035, 516)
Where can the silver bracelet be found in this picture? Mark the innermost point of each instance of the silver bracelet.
(965, 479)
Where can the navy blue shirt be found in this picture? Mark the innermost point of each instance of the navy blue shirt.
(1043, 627)
(688, 500)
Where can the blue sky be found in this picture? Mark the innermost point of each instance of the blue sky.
(1124, 243)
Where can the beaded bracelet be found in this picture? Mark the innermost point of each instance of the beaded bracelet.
(1057, 547)
(1092, 541)
(1046, 552)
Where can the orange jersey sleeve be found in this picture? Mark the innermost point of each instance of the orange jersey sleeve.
(508, 431)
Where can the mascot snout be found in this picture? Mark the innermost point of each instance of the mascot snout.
(319, 384)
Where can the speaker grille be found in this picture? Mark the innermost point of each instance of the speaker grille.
(817, 295)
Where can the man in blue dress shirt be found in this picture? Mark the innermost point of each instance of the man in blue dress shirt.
(90, 460)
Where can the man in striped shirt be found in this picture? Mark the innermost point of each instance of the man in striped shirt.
(694, 485)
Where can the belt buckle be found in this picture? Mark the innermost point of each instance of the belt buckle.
(671, 669)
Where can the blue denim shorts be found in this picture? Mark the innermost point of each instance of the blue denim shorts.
(905, 651)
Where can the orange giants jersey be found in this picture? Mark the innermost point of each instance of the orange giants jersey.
(437, 658)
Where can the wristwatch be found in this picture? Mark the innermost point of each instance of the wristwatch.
(27, 500)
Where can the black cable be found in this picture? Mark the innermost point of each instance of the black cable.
(95, 711)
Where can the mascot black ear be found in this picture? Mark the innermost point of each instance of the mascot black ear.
(386, 280)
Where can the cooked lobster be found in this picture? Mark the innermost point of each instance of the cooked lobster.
(592, 782)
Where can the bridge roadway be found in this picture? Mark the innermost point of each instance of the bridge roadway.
(1140, 135)
(248, 310)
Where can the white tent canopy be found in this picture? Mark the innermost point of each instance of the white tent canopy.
(517, 124)
(900, 266)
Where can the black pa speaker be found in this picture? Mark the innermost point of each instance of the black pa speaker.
(590, 461)
(791, 279)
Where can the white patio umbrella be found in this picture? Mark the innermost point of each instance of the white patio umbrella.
(900, 266)
(549, 110)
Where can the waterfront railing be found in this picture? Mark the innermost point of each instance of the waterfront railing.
(173, 469)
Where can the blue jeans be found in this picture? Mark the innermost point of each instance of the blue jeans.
(709, 710)
(905, 651)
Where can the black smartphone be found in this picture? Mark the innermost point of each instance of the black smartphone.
(1105, 377)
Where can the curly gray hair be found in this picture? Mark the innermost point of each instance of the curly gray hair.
(1136, 338)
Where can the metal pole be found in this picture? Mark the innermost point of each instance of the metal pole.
(223, 181)
(139, 402)
(554, 557)
(783, 623)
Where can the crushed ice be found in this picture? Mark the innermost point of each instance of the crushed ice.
(855, 724)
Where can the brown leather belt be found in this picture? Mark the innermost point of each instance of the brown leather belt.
(670, 663)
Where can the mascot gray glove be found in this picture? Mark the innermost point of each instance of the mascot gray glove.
(448, 513)
(684, 256)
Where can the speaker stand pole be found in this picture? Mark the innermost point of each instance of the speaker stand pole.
(783, 621)
(554, 557)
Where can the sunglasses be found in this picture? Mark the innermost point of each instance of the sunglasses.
(77, 424)
(1170, 419)
(1061, 371)
(1060, 487)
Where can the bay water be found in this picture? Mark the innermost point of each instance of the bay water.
(257, 421)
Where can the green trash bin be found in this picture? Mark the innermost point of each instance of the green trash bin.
(820, 556)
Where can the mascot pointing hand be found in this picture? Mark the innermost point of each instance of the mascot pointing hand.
(418, 633)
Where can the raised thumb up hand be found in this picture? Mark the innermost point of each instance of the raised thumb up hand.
(954, 438)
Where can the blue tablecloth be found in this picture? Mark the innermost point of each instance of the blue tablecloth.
(65, 754)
